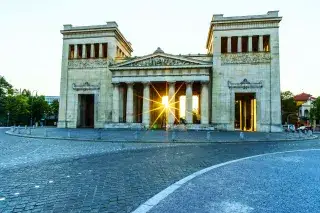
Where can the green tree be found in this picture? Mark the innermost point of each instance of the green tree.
(315, 110)
(18, 107)
(38, 107)
(288, 106)
(5, 90)
(54, 108)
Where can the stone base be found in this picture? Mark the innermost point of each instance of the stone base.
(137, 126)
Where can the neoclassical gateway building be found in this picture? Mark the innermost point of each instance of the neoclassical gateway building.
(234, 86)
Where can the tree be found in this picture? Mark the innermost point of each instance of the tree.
(18, 107)
(315, 110)
(288, 107)
(54, 107)
(5, 90)
(38, 107)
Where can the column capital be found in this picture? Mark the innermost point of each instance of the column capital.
(189, 82)
(146, 83)
(171, 82)
(115, 83)
(130, 83)
(204, 82)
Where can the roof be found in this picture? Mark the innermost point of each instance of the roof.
(303, 97)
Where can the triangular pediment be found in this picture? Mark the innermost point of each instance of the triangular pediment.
(160, 60)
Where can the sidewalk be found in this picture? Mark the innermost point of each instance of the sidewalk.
(155, 136)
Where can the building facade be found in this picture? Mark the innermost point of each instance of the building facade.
(234, 86)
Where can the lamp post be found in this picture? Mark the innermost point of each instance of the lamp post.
(8, 118)
(32, 105)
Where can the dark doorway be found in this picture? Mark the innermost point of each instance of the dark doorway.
(245, 112)
(86, 111)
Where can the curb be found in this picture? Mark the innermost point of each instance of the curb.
(152, 141)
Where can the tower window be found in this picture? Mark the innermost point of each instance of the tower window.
(105, 50)
(88, 50)
(79, 50)
(244, 44)
(255, 43)
(266, 43)
(234, 44)
(71, 52)
(224, 44)
(96, 50)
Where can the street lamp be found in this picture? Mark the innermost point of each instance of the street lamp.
(8, 118)
(32, 105)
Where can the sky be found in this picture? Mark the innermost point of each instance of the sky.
(31, 43)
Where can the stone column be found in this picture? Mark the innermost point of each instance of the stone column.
(171, 100)
(115, 110)
(260, 43)
(240, 101)
(204, 103)
(189, 102)
(229, 45)
(239, 44)
(245, 115)
(92, 51)
(146, 105)
(84, 51)
(250, 44)
(129, 112)
(75, 51)
(100, 51)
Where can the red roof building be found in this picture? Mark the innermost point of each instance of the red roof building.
(303, 97)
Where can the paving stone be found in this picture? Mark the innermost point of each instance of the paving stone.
(110, 181)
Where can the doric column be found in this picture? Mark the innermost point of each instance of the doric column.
(115, 108)
(189, 102)
(171, 100)
(146, 105)
(204, 103)
(129, 113)
(75, 51)
(260, 43)
(239, 44)
(84, 51)
(92, 51)
(100, 51)
(229, 45)
(250, 44)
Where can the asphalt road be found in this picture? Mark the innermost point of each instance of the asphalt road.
(74, 176)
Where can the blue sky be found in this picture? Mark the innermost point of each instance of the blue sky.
(31, 43)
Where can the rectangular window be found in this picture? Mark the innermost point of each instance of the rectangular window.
(244, 44)
(71, 51)
(224, 44)
(234, 44)
(96, 50)
(79, 50)
(266, 43)
(105, 50)
(255, 43)
(88, 50)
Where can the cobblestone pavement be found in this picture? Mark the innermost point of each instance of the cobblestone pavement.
(73, 176)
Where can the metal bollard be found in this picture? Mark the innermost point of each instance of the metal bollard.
(241, 136)
(99, 134)
(268, 136)
(19, 131)
(33, 127)
(45, 133)
(135, 135)
(173, 136)
(208, 136)
(29, 131)
(25, 127)
(309, 133)
(69, 134)
(300, 134)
